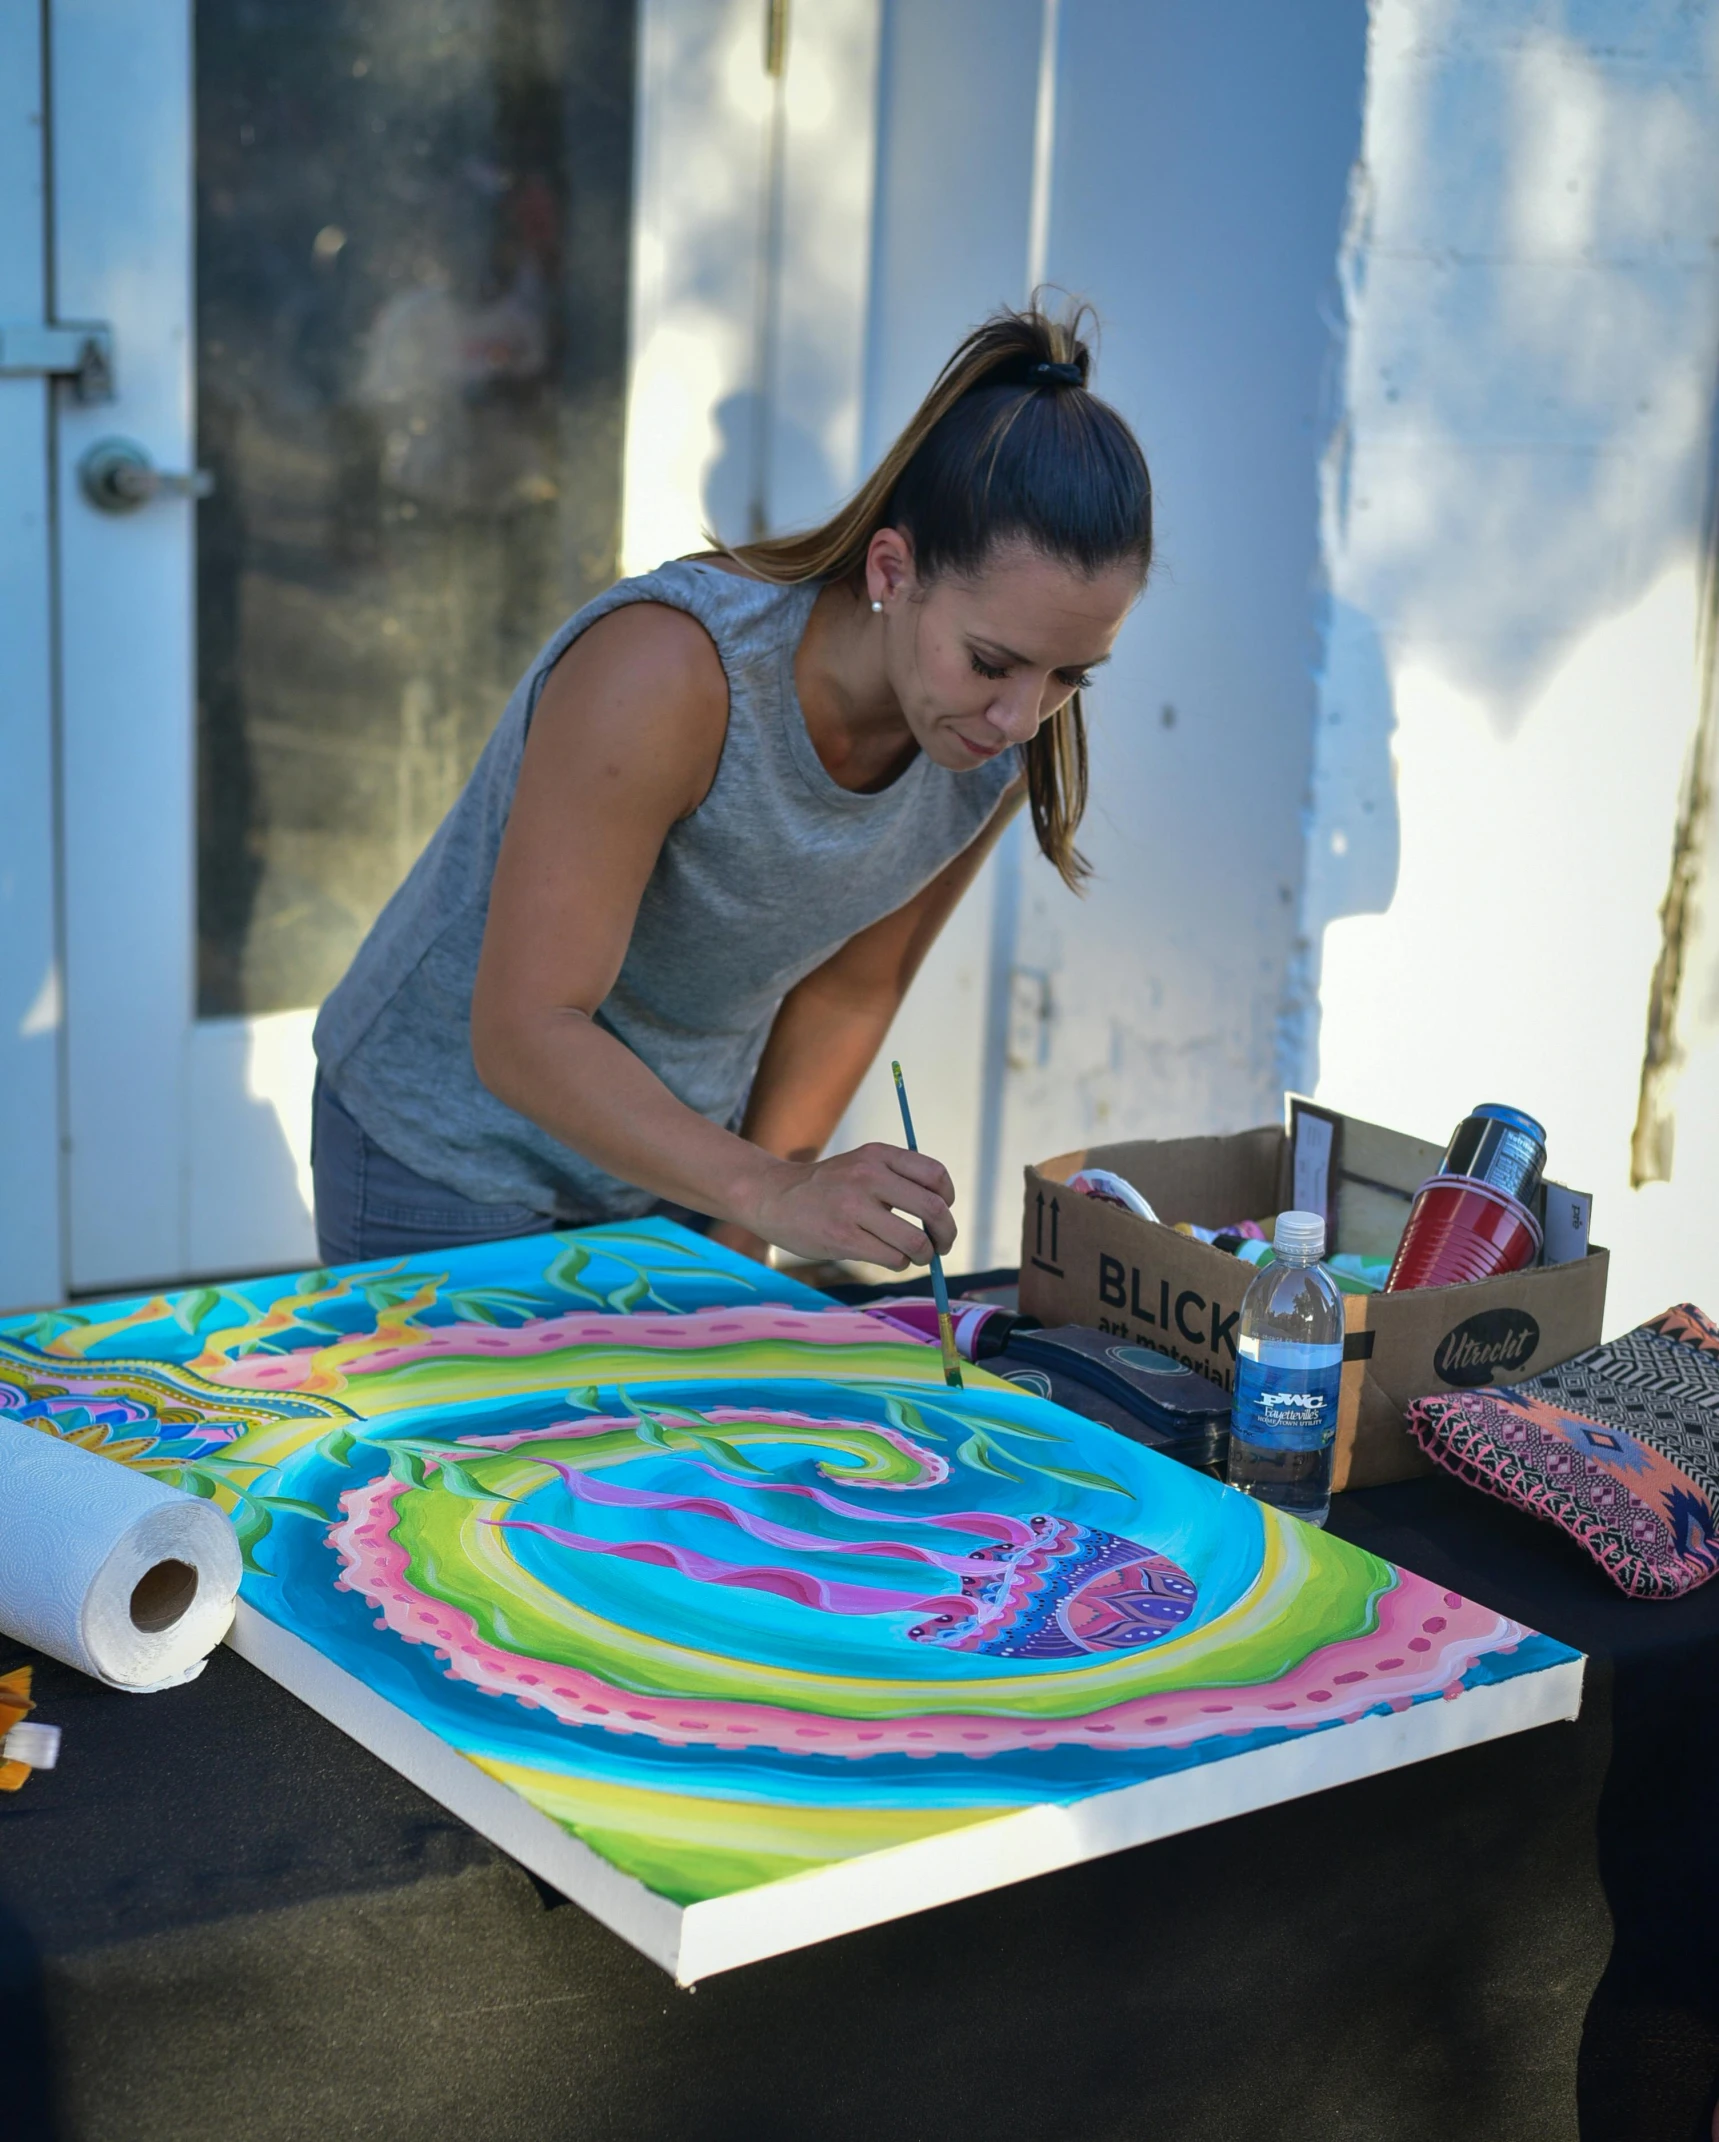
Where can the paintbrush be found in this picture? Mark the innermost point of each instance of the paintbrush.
(939, 1286)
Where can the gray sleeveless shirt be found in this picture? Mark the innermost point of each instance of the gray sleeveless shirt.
(777, 868)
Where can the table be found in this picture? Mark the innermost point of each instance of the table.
(220, 1919)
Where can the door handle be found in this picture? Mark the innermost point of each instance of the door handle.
(117, 476)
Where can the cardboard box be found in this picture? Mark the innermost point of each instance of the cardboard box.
(1087, 1262)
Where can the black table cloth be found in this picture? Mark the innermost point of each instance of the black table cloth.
(219, 1918)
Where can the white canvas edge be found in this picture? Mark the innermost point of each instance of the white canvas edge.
(699, 1940)
(625, 1906)
(899, 1879)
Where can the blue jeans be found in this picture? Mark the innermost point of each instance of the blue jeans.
(368, 1205)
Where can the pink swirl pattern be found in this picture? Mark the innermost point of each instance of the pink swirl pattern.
(293, 1370)
(1425, 1641)
(827, 1596)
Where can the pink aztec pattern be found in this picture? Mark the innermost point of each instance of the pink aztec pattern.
(1652, 1528)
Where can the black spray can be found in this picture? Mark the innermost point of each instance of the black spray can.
(1500, 1146)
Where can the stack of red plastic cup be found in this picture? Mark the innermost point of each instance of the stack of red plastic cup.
(1462, 1226)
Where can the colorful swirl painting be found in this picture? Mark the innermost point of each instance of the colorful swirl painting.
(713, 1603)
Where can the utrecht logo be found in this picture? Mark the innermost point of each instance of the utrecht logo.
(1497, 1342)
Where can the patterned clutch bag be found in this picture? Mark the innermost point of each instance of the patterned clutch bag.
(1619, 1446)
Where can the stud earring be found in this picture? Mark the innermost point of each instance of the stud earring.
(877, 609)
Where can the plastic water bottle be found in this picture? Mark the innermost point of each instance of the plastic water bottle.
(1289, 1361)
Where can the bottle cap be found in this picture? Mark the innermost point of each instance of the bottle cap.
(1302, 1232)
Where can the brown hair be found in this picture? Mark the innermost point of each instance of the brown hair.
(1009, 446)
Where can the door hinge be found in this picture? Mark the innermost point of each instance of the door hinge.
(80, 350)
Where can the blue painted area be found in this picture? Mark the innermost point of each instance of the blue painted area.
(1167, 1507)
(1533, 1655)
(1215, 1536)
(341, 1625)
(621, 1266)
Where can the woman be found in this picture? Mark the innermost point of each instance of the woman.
(654, 947)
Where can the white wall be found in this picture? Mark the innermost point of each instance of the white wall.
(957, 100)
(703, 109)
(1513, 533)
(714, 280)
(1197, 201)
(906, 190)
(1196, 195)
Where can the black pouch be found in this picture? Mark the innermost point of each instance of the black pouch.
(1147, 1396)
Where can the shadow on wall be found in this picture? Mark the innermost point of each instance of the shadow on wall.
(1354, 829)
(1530, 300)
(1529, 289)
(796, 467)
(1202, 178)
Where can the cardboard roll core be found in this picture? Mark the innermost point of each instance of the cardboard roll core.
(162, 1596)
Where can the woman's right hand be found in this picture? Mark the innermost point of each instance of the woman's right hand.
(861, 1205)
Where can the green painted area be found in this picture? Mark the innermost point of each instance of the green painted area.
(689, 1848)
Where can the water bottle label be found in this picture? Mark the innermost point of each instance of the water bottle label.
(1286, 1394)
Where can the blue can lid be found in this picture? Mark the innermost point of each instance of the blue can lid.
(1515, 1117)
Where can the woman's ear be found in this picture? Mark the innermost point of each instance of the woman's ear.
(889, 574)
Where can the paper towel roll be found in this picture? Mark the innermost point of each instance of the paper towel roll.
(107, 1569)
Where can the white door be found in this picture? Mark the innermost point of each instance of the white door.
(368, 266)
(366, 272)
(119, 176)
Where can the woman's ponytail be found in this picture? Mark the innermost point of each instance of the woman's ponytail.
(1008, 447)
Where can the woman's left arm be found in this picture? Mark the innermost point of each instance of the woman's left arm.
(831, 1026)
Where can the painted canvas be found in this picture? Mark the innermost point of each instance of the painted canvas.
(712, 1603)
